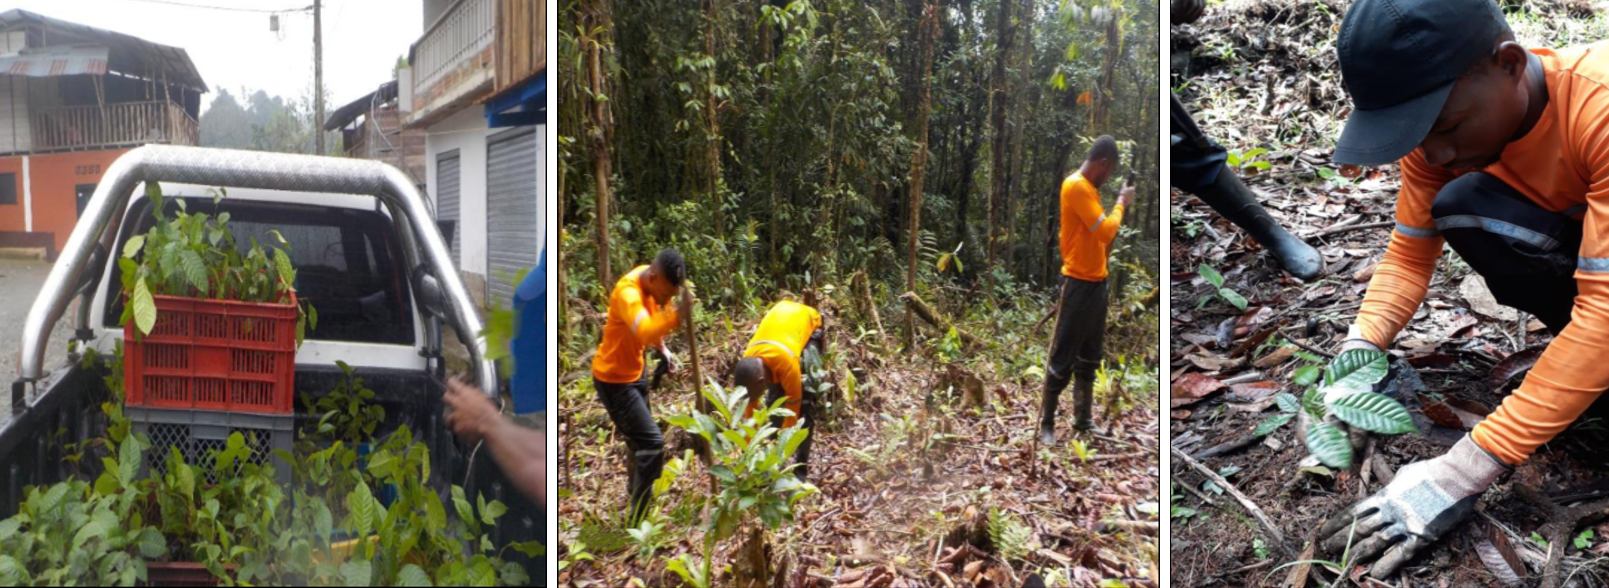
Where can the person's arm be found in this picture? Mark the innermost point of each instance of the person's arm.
(1087, 214)
(519, 451)
(522, 455)
(650, 329)
(1571, 373)
(670, 360)
(1403, 276)
(1400, 280)
(787, 374)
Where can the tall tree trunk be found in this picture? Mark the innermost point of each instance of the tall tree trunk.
(1064, 150)
(1101, 115)
(834, 200)
(770, 47)
(598, 134)
(1001, 104)
(558, 259)
(1018, 129)
(929, 26)
(712, 126)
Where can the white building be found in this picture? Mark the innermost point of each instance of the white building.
(476, 87)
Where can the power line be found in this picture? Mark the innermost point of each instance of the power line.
(228, 8)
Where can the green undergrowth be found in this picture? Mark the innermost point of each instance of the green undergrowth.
(229, 512)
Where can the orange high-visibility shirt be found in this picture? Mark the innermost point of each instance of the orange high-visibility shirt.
(778, 343)
(1562, 163)
(635, 323)
(1086, 230)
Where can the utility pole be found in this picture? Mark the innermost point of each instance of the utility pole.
(318, 76)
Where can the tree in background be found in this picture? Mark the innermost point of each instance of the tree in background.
(773, 140)
(263, 123)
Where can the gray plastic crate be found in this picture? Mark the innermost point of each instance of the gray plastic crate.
(199, 432)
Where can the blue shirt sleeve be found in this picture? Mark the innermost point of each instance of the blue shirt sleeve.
(529, 347)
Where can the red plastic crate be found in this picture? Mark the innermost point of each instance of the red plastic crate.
(214, 355)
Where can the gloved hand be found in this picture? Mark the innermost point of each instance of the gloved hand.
(1357, 436)
(1423, 502)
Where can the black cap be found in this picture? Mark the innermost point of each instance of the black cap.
(1399, 60)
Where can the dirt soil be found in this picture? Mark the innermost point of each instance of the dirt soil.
(1261, 74)
(906, 476)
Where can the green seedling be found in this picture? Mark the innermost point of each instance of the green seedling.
(1246, 163)
(1347, 393)
(1217, 280)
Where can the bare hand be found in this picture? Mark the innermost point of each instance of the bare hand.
(472, 411)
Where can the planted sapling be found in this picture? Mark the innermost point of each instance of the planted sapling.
(1347, 393)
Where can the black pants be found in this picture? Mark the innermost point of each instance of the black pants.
(1526, 254)
(1196, 160)
(1075, 347)
(628, 409)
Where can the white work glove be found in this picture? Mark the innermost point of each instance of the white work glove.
(1424, 501)
(1354, 340)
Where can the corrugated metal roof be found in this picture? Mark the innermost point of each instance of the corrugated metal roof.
(56, 61)
(126, 54)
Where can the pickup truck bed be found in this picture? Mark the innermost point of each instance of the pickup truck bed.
(371, 260)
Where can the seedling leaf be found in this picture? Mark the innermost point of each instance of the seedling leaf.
(1330, 445)
(1373, 412)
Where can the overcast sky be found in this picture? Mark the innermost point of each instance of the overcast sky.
(362, 39)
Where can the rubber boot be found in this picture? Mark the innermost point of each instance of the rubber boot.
(1235, 201)
(1083, 401)
(1047, 417)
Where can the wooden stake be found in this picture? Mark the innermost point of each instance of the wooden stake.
(1055, 309)
(690, 330)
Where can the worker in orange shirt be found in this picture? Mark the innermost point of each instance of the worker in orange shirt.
(639, 318)
(781, 360)
(1086, 237)
(1505, 158)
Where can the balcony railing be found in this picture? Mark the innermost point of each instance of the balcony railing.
(461, 36)
(124, 123)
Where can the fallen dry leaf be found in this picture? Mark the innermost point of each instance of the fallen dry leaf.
(1192, 387)
(1474, 292)
(1212, 363)
(1515, 364)
(1255, 390)
(1365, 273)
(1275, 357)
(1498, 555)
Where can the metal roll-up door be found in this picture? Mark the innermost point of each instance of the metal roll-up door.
(447, 177)
(511, 210)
